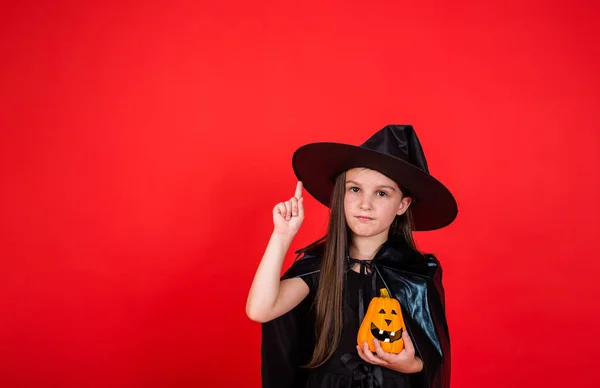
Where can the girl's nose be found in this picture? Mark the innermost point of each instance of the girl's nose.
(365, 203)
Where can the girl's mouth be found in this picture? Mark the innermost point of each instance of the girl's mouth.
(364, 218)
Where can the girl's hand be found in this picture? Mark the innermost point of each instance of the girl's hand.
(288, 216)
(404, 362)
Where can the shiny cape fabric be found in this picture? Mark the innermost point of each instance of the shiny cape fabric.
(412, 278)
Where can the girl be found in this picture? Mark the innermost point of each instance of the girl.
(379, 193)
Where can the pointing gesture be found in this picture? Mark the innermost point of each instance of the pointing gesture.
(288, 215)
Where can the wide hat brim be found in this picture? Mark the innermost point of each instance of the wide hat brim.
(317, 165)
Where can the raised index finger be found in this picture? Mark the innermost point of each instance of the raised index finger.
(298, 193)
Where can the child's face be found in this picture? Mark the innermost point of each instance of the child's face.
(371, 195)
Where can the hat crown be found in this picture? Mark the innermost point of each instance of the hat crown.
(399, 141)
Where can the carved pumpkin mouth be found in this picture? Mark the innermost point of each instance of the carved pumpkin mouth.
(385, 336)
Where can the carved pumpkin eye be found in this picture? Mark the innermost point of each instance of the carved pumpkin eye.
(382, 311)
(394, 312)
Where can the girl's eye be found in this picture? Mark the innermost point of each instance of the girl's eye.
(382, 192)
(352, 189)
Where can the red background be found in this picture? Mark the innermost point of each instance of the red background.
(144, 145)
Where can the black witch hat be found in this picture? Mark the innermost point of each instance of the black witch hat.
(394, 151)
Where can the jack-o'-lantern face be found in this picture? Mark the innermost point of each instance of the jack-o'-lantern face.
(383, 321)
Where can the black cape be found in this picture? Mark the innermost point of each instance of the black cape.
(413, 278)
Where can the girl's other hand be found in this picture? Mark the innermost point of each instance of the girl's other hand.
(405, 361)
(288, 216)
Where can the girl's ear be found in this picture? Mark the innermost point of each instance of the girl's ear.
(404, 204)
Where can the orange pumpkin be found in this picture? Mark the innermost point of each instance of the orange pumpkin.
(383, 321)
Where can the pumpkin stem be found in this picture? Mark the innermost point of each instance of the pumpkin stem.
(384, 293)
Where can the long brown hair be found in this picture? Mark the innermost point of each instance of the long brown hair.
(328, 299)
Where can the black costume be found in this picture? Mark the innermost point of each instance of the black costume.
(412, 278)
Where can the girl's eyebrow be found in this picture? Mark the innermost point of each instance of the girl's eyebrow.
(379, 187)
